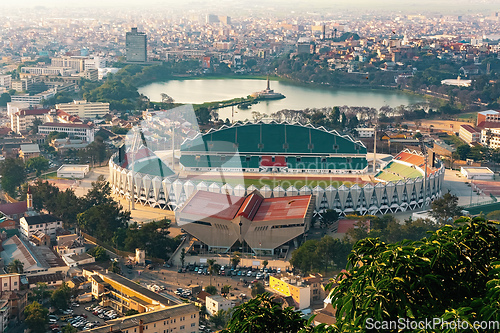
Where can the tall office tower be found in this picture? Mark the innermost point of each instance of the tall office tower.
(136, 45)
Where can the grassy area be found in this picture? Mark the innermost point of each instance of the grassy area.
(453, 140)
(467, 116)
(52, 175)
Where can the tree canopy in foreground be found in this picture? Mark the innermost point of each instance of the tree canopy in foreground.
(452, 275)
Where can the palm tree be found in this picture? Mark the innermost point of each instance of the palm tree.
(225, 289)
(211, 263)
(16, 266)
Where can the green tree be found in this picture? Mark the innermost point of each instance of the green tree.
(258, 289)
(315, 256)
(212, 290)
(211, 268)
(40, 292)
(153, 237)
(202, 115)
(235, 260)
(220, 319)
(39, 164)
(115, 267)
(104, 220)
(13, 174)
(329, 217)
(69, 329)
(183, 256)
(99, 253)
(36, 317)
(16, 266)
(225, 289)
(463, 151)
(265, 263)
(131, 312)
(446, 207)
(263, 315)
(61, 296)
(4, 99)
(453, 274)
(34, 126)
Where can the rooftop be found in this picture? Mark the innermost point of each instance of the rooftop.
(41, 219)
(31, 148)
(489, 112)
(13, 208)
(146, 317)
(65, 125)
(253, 207)
(217, 205)
(469, 128)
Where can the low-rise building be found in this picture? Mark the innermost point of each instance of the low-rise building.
(84, 109)
(4, 314)
(294, 287)
(22, 120)
(35, 260)
(69, 244)
(365, 132)
(63, 145)
(490, 137)
(47, 224)
(29, 151)
(74, 260)
(51, 279)
(39, 238)
(12, 282)
(122, 294)
(73, 171)
(477, 173)
(34, 99)
(469, 134)
(14, 210)
(79, 131)
(217, 303)
(182, 318)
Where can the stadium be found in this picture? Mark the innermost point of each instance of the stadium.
(278, 160)
(282, 147)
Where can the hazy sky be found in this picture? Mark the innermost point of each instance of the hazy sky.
(414, 6)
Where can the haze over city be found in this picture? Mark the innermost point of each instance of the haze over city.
(249, 166)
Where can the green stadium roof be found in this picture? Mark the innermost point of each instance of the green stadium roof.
(273, 138)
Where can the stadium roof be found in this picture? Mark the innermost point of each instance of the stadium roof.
(145, 161)
(253, 207)
(273, 138)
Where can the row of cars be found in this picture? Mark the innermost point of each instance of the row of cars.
(102, 312)
(183, 292)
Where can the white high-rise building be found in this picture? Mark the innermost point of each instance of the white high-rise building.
(95, 63)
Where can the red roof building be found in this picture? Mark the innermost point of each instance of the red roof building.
(262, 225)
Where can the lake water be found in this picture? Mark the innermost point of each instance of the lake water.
(297, 96)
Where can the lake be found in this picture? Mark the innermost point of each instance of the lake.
(298, 96)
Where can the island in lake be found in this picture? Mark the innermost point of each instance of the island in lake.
(268, 93)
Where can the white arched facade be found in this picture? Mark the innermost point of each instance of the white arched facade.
(380, 198)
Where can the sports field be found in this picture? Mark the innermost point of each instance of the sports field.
(285, 181)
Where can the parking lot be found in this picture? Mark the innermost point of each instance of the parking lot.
(81, 318)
